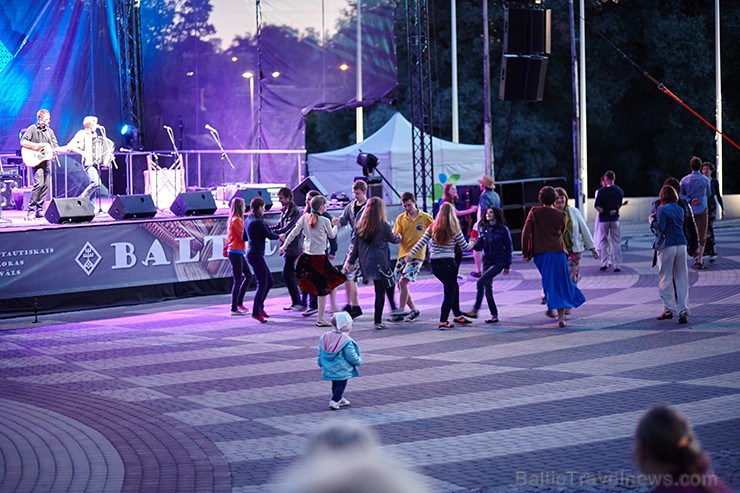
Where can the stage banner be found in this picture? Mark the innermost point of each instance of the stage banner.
(80, 258)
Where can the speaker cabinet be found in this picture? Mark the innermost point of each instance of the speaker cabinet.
(132, 207)
(526, 31)
(194, 204)
(522, 78)
(8, 183)
(249, 193)
(301, 190)
(71, 210)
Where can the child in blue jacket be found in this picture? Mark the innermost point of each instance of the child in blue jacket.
(494, 239)
(339, 357)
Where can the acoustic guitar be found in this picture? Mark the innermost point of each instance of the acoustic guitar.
(33, 158)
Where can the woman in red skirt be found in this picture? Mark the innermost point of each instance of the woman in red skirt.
(315, 272)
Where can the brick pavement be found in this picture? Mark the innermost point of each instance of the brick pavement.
(179, 396)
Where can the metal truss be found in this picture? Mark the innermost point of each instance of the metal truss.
(420, 90)
(130, 73)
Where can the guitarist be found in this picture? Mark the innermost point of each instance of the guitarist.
(83, 143)
(40, 137)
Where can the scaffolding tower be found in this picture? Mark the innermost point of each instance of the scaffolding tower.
(129, 67)
(420, 90)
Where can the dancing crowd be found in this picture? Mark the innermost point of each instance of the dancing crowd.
(554, 236)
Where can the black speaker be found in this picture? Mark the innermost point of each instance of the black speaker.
(301, 190)
(522, 78)
(249, 193)
(526, 31)
(71, 210)
(194, 204)
(8, 183)
(132, 207)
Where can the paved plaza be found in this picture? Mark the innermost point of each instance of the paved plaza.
(180, 396)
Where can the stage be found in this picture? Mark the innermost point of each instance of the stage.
(46, 268)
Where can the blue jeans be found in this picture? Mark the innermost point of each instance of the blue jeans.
(485, 282)
(264, 281)
(337, 389)
(242, 278)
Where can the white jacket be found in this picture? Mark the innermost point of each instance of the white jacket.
(582, 239)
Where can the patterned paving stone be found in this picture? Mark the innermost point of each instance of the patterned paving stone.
(179, 396)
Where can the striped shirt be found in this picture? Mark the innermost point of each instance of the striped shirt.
(442, 251)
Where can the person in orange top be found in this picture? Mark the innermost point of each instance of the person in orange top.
(235, 249)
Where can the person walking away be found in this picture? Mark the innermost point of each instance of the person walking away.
(371, 250)
(257, 233)
(316, 274)
(444, 234)
(542, 241)
(715, 205)
(673, 273)
(411, 225)
(288, 218)
(339, 357)
(695, 189)
(608, 202)
(235, 250)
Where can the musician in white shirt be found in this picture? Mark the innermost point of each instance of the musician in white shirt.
(84, 143)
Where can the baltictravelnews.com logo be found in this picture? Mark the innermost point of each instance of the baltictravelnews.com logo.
(88, 258)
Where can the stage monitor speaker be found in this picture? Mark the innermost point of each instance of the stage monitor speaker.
(132, 207)
(526, 31)
(301, 190)
(194, 204)
(250, 193)
(522, 78)
(71, 210)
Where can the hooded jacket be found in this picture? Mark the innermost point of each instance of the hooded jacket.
(339, 356)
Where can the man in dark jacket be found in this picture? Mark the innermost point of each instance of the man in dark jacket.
(608, 201)
(288, 219)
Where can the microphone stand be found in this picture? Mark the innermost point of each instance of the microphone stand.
(224, 157)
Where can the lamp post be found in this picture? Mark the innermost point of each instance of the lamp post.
(250, 76)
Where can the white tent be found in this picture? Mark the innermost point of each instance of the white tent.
(392, 145)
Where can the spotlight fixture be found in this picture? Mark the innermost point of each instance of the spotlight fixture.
(368, 162)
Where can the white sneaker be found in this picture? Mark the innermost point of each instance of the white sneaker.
(237, 313)
(334, 406)
(343, 402)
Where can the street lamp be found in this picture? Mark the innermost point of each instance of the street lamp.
(250, 75)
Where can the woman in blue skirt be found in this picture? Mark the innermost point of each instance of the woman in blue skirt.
(542, 240)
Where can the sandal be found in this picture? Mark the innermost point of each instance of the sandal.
(492, 320)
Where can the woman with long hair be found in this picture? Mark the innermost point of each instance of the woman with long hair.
(235, 249)
(444, 234)
(315, 272)
(667, 449)
(257, 233)
(494, 240)
(542, 240)
(372, 236)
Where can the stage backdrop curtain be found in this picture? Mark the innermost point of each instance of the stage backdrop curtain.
(195, 75)
(62, 56)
